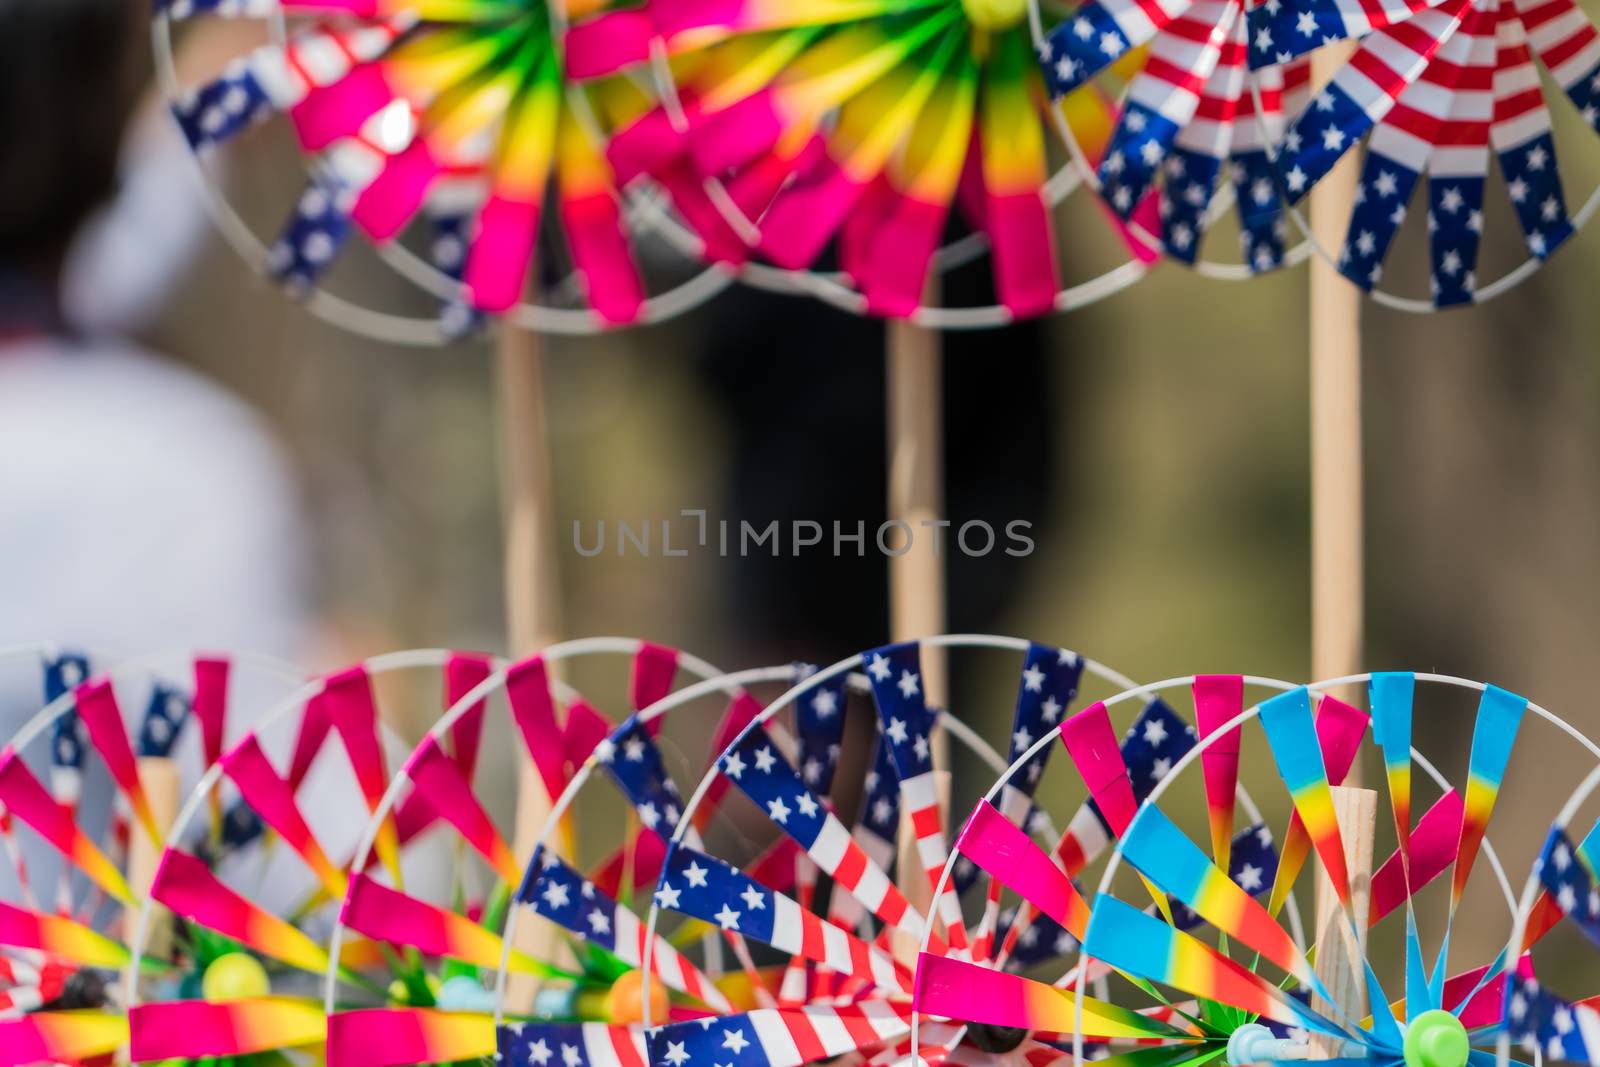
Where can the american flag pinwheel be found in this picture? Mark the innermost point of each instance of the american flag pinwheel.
(1434, 97)
(842, 936)
(450, 117)
(842, 138)
(74, 787)
(1226, 976)
(1561, 899)
(576, 890)
(1198, 117)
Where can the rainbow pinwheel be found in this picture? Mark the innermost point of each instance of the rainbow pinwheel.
(985, 997)
(844, 930)
(60, 1000)
(806, 126)
(1256, 996)
(587, 967)
(1432, 96)
(455, 113)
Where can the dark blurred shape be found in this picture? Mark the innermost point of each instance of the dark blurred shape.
(802, 394)
(70, 80)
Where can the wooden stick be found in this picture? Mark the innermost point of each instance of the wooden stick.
(161, 781)
(1336, 559)
(914, 368)
(1340, 950)
(532, 591)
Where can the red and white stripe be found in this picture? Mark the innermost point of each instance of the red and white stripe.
(1391, 60)
(801, 933)
(1562, 36)
(614, 1046)
(844, 908)
(8, 839)
(1210, 132)
(1415, 130)
(1140, 20)
(839, 856)
(665, 961)
(1182, 59)
(823, 1031)
(920, 797)
(1461, 146)
(1361, 17)
(1520, 114)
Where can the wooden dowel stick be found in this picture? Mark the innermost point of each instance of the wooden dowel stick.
(1341, 951)
(914, 368)
(1336, 502)
(532, 592)
(162, 786)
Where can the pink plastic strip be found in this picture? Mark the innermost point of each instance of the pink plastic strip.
(1218, 699)
(308, 742)
(1024, 254)
(191, 1029)
(1092, 744)
(102, 717)
(600, 251)
(332, 112)
(438, 778)
(1433, 850)
(996, 845)
(463, 672)
(654, 667)
(354, 714)
(211, 705)
(501, 253)
(533, 709)
(394, 197)
(586, 728)
(185, 884)
(608, 43)
(273, 799)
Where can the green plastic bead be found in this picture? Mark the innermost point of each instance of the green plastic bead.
(995, 14)
(234, 976)
(1436, 1039)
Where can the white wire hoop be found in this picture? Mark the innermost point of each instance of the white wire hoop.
(383, 326)
(846, 667)
(832, 287)
(1384, 298)
(1221, 200)
(1143, 694)
(1251, 714)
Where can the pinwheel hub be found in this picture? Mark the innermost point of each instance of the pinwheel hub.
(234, 976)
(996, 1040)
(624, 1005)
(995, 14)
(1436, 1039)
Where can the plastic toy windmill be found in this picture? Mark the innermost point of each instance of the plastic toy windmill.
(459, 933)
(1559, 911)
(987, 1001)
(1256, 996)
(81, 869)
(239, 904)
(449, 117)
(838, 923)
(837, 141)
(1432, 97)
(1197, 122)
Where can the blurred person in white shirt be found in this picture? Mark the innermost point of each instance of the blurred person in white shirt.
(142, 506)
